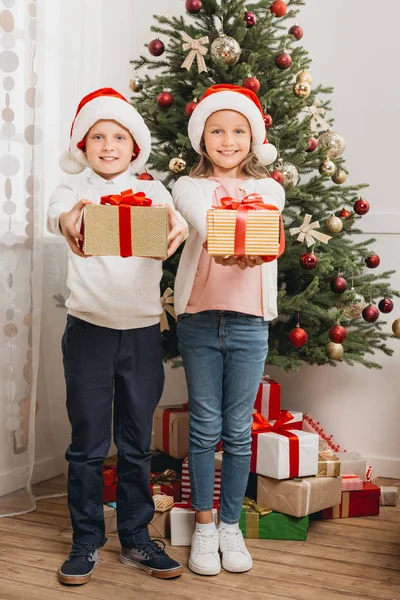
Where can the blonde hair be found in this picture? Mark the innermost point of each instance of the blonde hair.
(249, 167)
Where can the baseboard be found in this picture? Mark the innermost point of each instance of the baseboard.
(48, 468)
(384, 467)
(17, 478)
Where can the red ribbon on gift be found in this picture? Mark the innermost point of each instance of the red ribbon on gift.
(124, 201)
(165, 424)
(242, 206)
(272, 390)
(261, 425)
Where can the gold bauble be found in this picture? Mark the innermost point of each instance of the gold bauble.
(354, 310)
(302, 89)
(225, 51)
(334, 351)
(334, 224)
(304, 76)
(339, 176)
(289, 172)
(327, 168)
(331, 144)
(135, 84)
(396, 327)
(177, 164)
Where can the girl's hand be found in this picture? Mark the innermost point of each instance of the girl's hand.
(68, 221)
(244, 262)
(177, 231)
(225, 261)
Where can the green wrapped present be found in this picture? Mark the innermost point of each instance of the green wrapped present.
(257, 522)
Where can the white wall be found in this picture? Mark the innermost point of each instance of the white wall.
(350, 47)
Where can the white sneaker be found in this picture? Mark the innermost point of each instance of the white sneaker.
(204, 558)
(235, 556)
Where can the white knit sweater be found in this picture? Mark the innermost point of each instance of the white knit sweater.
(110, 291)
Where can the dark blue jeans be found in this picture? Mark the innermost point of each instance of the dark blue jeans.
(223, 353)
(105, 367)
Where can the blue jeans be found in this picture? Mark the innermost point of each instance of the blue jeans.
(223, 353)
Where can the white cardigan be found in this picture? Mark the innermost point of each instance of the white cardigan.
(193, 197)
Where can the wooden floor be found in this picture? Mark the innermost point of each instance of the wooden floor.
(342, 559)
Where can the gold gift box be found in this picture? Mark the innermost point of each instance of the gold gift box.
(328, 465)
(149, 230)
(262, 232)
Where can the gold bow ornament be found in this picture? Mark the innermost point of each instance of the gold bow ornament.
(316, 113)
(307, 232)
(197, 50)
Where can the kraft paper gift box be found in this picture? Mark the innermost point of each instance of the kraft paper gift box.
(268, 399)
(282, 453)
(352, 463)
(298, 497)
(186, 490)
(125, 224)
(171, 430)
(159, 527)
(168, 482)
(388, 495)
(110, 518)
(234, 229)
(183, 524)
(362, 503)
(328, 465)
(351, 483)
(272, 526)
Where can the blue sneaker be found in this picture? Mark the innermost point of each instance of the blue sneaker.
(151, 557)
(78, 567)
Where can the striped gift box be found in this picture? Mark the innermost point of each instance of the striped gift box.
(262, 232)
(351, 483)
(186, 490)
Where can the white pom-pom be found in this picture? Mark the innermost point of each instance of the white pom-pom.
(266, 153)
(69, 164)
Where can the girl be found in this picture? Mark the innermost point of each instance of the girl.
(223, 307)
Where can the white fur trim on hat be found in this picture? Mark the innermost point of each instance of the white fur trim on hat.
(231, 100)
(113, 108)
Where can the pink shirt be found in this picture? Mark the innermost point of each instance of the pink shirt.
(225, 288)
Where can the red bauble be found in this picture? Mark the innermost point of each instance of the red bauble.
(189, 108)
(296, 31)
(298, 337)
(156, 47)
(193, 6)
(385, 305)
(344, 214)
(312, 144)
(370, 313)
(278, 176)
(278, 8)
(308, 261)
(337, 334)
(361, 206)
(165, 100)
(283, 61)
(251, 83)
(250, 18)
(372, 261)
(338, 285)
(267, 120)
(145, 176)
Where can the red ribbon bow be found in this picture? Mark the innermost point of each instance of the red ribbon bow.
(124, 201)
(251, 202)
(281, 426)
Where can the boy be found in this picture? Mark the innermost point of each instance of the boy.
(111, 344)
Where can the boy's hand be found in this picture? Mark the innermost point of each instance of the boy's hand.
(177, 231)
(68, 221)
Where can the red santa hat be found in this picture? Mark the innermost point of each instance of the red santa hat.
(242, 100)
(105, 103)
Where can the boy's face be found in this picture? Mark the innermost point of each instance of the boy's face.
(109, 148)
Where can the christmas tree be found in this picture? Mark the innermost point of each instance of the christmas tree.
(327, 291)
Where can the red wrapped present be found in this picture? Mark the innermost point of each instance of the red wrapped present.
(363, 503)
(186, 490)
(351, 483)
(168, 482)
(110, 479)
(268, 399)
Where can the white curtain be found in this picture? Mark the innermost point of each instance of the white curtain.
(50, 56)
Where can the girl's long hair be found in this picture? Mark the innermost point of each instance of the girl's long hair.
(248, 168)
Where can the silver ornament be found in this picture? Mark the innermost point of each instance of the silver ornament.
(225, 51)
(289, 172)
(327, 167)
(135, 84)
(332, 144)
(354, 310)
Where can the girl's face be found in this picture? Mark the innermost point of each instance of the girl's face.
(109, 148)
(227, 138)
